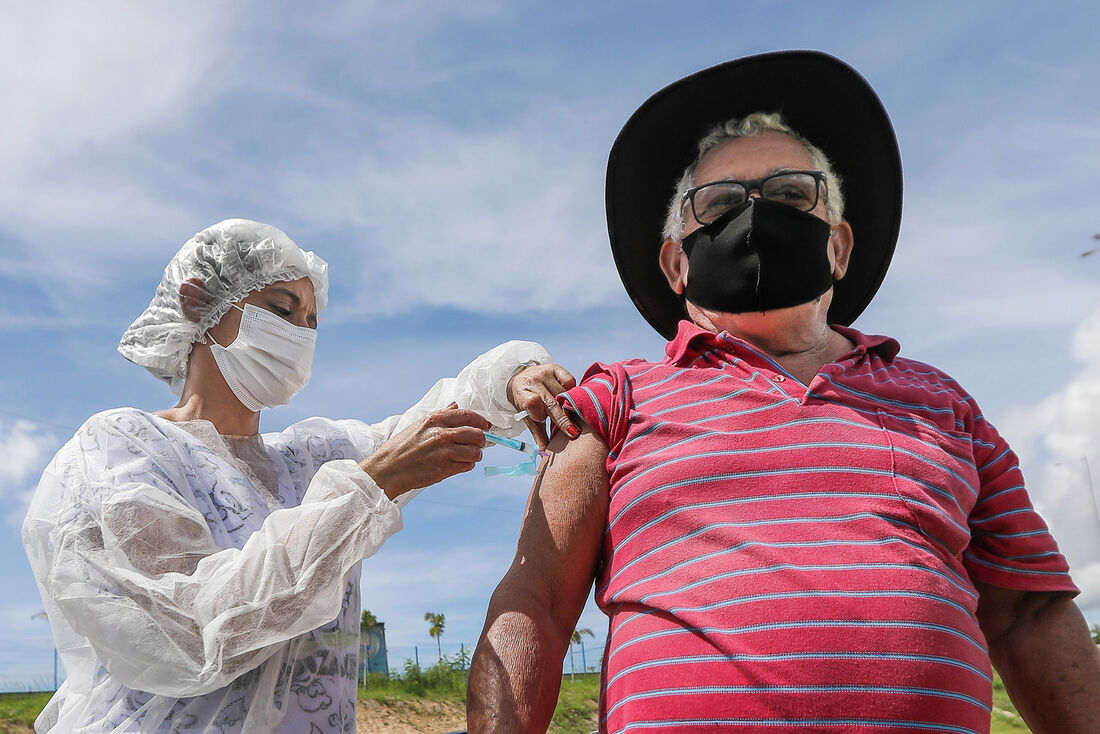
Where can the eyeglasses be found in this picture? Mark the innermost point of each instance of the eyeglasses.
(798, 189)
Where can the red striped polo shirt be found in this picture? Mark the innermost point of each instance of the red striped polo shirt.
(783, 557)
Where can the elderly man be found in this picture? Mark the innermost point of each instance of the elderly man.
(790, 526)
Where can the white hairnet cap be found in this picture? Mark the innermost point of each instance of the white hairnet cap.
(225, 263)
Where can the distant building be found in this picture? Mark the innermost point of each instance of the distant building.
(372, 650)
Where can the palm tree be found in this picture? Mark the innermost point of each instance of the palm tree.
(575, 639)
(435, 629)
(367, 621)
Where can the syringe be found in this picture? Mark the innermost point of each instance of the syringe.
(516, 444)
(529, 467)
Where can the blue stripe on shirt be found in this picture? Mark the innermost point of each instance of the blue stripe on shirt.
(615, 648)
(771, 522)
(779, 497)
(795, 656)
(779, 567)
(817, 724)
(796, 690)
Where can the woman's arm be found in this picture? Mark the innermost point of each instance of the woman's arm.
(488, 385)
(124, 562)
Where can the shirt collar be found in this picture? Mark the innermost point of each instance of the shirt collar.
(884, 346)
(692, 340)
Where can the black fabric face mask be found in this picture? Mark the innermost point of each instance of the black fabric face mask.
(759, 256)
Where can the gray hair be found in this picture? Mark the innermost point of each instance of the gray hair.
(744, 127)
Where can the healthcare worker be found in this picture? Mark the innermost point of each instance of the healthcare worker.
(201, 577)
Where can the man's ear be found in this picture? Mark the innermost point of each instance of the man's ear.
(674, 265)
(193, 299)
(840, 244)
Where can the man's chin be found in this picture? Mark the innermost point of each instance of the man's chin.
(775, 313)
(773, 322)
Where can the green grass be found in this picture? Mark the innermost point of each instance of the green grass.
(1005, 718)
(21, 708)
(576, 712)
(446, 681)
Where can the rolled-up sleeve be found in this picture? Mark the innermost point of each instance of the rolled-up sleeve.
(1010, 545)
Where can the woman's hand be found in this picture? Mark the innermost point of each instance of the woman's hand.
(533, 389)
(443, 444)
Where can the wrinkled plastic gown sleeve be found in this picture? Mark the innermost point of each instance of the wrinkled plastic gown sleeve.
(481, 386)
(132, 578)
(135, 574)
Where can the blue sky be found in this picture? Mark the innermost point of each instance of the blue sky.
(447, 159)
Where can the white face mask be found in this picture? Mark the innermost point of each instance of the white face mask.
(269, 361)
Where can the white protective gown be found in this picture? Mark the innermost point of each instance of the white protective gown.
(184, 598)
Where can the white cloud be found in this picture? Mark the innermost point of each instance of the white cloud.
(127, 129)
(995, 223)
(75, 75)
(26, 448)
(375, 23)
(1058, 440)
(79, 84)
(509, 216)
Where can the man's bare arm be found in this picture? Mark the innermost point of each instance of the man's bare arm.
(516, 671)
(1041, 646)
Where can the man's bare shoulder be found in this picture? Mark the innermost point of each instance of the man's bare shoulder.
(570, 497)
(586, 448)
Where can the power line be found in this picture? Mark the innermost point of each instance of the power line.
(470, 507)
(39, 421)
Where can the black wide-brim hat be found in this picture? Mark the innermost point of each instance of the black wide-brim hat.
(820, 97)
